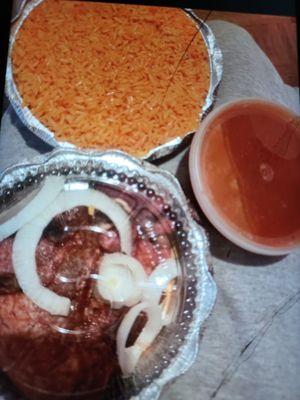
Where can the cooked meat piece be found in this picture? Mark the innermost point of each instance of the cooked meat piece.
(56, 354)
(152, 245)
(52, 356)
(6, 266)
(8, 282)
(110, 242)
(74, 354)
(64, 267)
(149, 254)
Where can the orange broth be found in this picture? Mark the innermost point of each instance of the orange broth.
(250, 162)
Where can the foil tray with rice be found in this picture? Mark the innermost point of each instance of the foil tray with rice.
(134, 78)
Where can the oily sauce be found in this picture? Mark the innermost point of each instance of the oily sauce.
(250, 163)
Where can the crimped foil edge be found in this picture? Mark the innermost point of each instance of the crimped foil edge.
(41, 131)
(205, 286)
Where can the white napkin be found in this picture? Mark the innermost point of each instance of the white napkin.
(250, 346)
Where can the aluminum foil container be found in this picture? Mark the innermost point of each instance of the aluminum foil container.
(215, 60)
(176, 346)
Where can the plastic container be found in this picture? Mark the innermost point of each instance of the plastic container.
(244, 165)
(108, 242)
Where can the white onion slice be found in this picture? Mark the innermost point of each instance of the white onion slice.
(159, 280)
(129, 356)
(101, 202)
(123, 204)
(28, 237)
(120, 279)
(116, 285)
(34, 206)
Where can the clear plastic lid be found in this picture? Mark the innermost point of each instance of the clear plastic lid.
(98, 281)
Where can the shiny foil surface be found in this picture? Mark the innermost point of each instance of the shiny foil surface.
(26, 116)
(176, 346)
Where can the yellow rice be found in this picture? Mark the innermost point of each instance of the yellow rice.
(110, 75)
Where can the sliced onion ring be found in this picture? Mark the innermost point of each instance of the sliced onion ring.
(159, 280)
(34, 206)
(129, 356)
(121, 278)
(28, 237)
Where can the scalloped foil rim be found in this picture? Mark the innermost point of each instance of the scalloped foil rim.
(206, 288)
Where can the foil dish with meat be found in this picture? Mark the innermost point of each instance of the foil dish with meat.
(103, 278)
